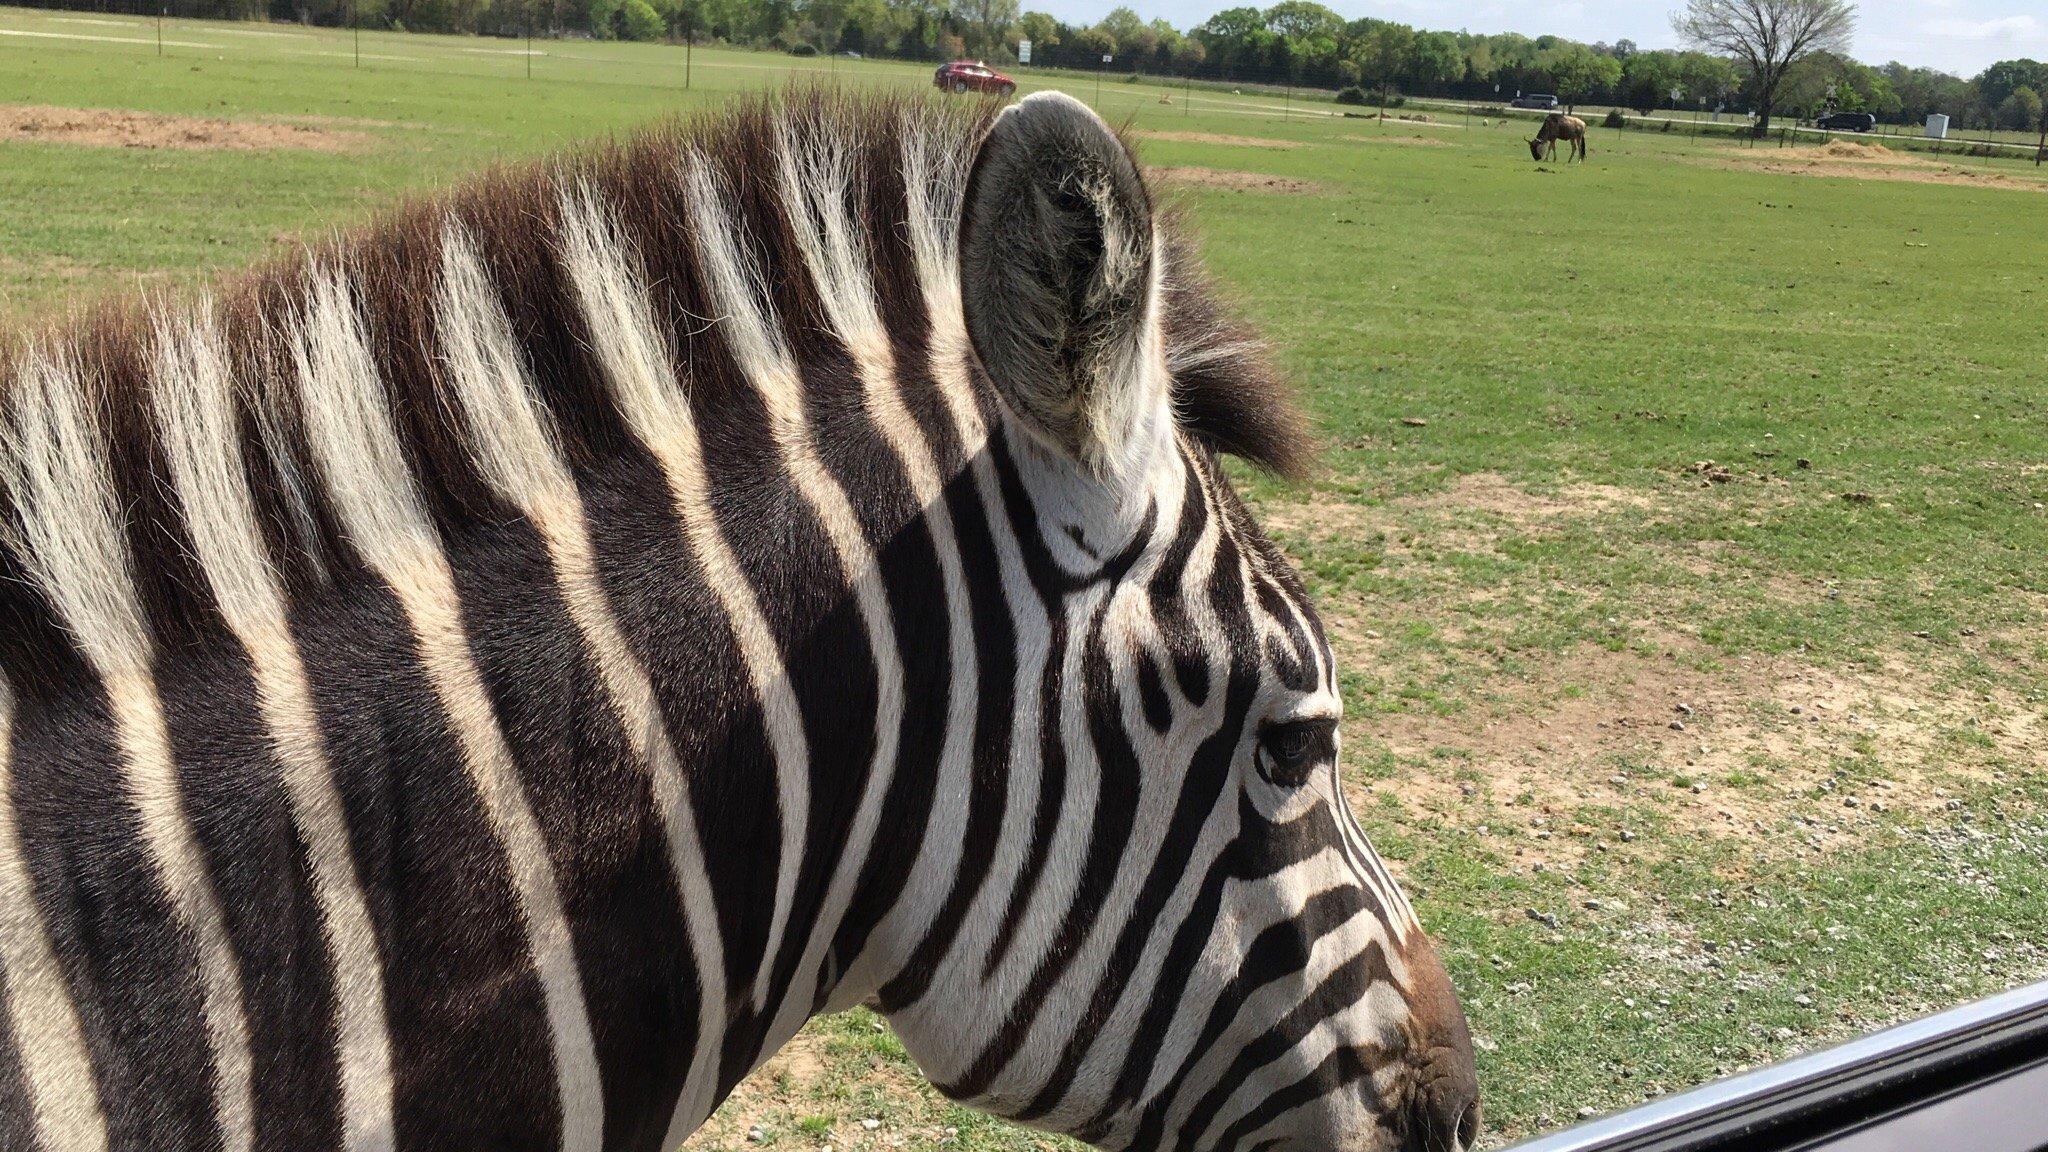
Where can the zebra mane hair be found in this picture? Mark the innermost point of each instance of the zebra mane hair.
(80, 441)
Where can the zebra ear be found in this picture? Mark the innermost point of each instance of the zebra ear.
(1056, 255)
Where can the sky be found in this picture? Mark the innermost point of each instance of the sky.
(1959, 36)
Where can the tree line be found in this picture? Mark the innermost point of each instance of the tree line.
(1295, 42)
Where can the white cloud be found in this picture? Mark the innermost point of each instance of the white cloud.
(2004, 28)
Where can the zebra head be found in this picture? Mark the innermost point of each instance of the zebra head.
(1199, 948)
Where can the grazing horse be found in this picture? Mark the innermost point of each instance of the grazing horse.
(484, 683)
(1558, 126)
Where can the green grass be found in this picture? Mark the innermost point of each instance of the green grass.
(1524, 586)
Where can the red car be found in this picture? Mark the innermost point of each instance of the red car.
(972, 76)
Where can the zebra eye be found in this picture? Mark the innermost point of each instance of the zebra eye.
(1290, 753)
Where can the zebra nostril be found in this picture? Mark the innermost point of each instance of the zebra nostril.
(1468, 1126)
(1446, 1116)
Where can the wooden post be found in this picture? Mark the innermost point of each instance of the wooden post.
(160, 30)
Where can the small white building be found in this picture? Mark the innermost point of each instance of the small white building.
(1937, 126)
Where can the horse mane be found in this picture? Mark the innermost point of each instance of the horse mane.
(1226, 392)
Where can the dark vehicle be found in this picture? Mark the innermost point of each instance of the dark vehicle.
(1974, 1077)
(1847, 122)
(1539, 102)
(972, 76)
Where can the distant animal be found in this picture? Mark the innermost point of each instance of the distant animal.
(1558, 126)
(453, 694)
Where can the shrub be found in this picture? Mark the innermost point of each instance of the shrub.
(1352, 95)
(639, 21)
(1615, 119)
(797, 49)
(1393, 100)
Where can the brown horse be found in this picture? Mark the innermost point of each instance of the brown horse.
(1558, 126)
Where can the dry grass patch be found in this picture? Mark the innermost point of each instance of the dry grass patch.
(1221, 138)
(1234, 181)
(1843, 159)
(1395, 138)
(119, 128)
(1728, 750)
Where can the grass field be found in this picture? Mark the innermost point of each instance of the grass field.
(1681, 524)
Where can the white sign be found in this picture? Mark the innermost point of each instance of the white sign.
(1106, 57)
(1023, 51)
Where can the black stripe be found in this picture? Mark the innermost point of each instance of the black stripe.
(241, 817)
(1202, 786)
(470, 1043)
(131, 970)
(592, 799)
(996, 653)
(1344, 987)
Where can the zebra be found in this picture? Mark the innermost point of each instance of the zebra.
(486, 680)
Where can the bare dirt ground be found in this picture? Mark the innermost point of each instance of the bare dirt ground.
(1790, 752)
(1848, 159)
(1234, 181)
(1220, 138)
(116, 128)
(1395, 138)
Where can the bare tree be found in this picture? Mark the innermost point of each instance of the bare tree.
(1769, 36)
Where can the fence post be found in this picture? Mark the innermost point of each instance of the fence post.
(160, 30)
(1187, 95)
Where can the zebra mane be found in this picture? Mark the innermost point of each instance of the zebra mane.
(88, 496)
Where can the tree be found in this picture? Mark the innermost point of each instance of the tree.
(986, 20)
(1383, 52)
(1768, 37)
(1577, 72)
(1998, 81)
(1042, 30)
(1302, 19)
(2020, 110)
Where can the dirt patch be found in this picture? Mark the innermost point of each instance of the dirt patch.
(117, 128)
(1551, 749)
(1492, 492)
(1850, 150)
(1234, 181)
(1732, 751)
(1220, 138)
(1394, 138)
(1843, 159)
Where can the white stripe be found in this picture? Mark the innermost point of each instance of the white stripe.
(643, 383)
(735, 290)
(196, 416)
(349, 429)
(47, 1039)
(513, 443)
(72, 540)
(935, 166)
